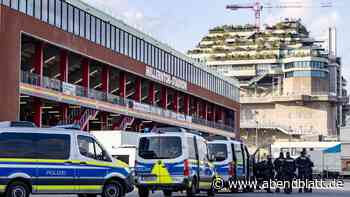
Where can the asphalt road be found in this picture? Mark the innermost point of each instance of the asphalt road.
(340, 192)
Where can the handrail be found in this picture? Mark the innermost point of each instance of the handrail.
(57, 85)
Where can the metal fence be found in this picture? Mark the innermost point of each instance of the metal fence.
(76, 90)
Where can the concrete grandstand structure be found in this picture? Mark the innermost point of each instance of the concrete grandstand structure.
(291, 86)
(67, 62)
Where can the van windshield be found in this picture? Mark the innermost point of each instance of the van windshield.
(162, 147)
(219, 151)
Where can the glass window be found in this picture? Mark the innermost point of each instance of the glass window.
(14, 4)
(113, 38)
(58, 16)
(146, 52)
(52, 146)
(130, 46)
(126, 43)
(44, 7)
(93, 29)
(134, 47)
(22, 6)
(76, 21)
(108, 35)
(87, 27)
(117, 40)
(191, 148)
(238, 154)
(82, 23)
(70, 19)
(160, 147)
(141, 49)
(122, 43)
(103, 33)
(98, 31)
(30, 7)
(88, 147)
(6, 2)
(219, 151)
(37, 9)
(202, 150)
(17, 145)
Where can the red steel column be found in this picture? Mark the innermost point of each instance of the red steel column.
(176, 102)
(64, 66)
(164, 97)
(37, 112)
(186, 104)
(138, 89)
(213, 113)
(198, 107)
(122, 84)
(151, 93)
(223, 116)
(105, 79)
(64, 77)
(39, 60)
(86, 74)
(205, 110)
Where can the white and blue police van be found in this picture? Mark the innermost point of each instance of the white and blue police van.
(231, 160)
(172, 159)
(57, 161)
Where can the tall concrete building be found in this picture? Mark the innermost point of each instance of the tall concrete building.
(291, 86)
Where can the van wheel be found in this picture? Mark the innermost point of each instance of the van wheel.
(143, 192)
(112, 189)
(17, 189)
(167, 193)
(193, 189)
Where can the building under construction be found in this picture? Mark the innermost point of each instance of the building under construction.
(291, 85)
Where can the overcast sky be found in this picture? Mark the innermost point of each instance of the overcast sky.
(182, 23)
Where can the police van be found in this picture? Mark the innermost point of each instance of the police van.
(57, 161)
(172, 159)
(231, 160)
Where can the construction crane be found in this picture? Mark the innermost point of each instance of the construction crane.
(257, 8)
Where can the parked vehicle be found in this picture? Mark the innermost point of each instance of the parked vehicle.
(172, 159)
(231, 160)
(57, 161)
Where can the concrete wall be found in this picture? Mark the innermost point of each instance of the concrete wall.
(304, 85)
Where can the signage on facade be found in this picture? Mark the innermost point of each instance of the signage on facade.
(69, 89)
(165, 78)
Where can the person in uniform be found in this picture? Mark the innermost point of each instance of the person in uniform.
(303, 164)
(278, 165)
(268, 171)
(289, 171)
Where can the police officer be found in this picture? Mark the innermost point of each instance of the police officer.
(289, 170)
(268, 172)
(303, 164)
(278, 165)
(309, 172)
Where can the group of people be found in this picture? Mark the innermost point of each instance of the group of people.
(285, 168)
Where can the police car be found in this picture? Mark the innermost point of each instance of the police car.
(57, 161)
(172, 159)
(231, 160)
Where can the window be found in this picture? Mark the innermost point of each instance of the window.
(219, 151)
(160, 147)
(122, 48)
(14, 4)
(238, 154)
(113, 38)
(191, 148)
(117, 40)
(103, 33)
(202, 150)
(22, 6)
(108, 35)
(134, 47)
(88, 147)
(44, 7)
(17, 145)
(58, 17)
(88, 27)
(98, 31)
(37, 9)
(82, 23)
(30, 7)
(93, 29)
(70, 19)
(6, 2)
(52, 146)
(76, 27)
(65, 16)
(130, 46)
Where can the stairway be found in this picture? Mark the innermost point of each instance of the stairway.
(80, 117)
(123, 123)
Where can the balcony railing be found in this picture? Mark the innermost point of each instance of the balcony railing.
(76, 90)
